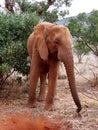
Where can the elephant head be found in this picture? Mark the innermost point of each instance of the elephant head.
(56, 39)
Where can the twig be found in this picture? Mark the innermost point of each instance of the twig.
(6, 78)
(93, 65)
(76, 68)
(89, 96)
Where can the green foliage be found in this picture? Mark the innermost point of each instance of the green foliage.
(5, 68)
(27, 6)
(14, 31)
(60, 3)
(85, 29)
(50, 16)
(60, 6)
(43, 8)
(80, 47)
(93, 32)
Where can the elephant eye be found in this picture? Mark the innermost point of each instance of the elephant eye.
(57, 41)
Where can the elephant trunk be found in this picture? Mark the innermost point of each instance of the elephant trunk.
(67, 58)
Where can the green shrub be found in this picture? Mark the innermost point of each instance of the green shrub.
(14, 31)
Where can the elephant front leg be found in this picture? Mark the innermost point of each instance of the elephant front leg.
(34, 75)
(41, 96)
(51, 87)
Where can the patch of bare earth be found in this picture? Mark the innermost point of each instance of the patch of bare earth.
(64, 116)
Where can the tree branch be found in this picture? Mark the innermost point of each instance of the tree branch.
(85, 94)
(9, 4)
(3, 81)
(50, 2)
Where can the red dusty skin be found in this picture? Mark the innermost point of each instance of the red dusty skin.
(24, 122)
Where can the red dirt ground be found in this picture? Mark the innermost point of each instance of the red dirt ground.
(25, 122)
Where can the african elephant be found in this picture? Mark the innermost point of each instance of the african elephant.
(47, 46)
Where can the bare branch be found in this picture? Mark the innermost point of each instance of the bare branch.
(50, 2)
(89, 96)
(9, 4)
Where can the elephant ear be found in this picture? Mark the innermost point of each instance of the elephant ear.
(40, 43)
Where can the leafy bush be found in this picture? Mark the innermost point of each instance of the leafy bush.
(14, 31)
(84, 28)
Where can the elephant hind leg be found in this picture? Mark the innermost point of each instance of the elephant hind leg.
(41, 95)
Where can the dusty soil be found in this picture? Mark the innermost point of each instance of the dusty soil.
(64, 116)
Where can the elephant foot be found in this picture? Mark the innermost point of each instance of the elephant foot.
(50, 107)
(32, 105)
(41, 98)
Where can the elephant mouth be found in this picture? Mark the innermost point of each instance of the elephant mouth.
(55, 55)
